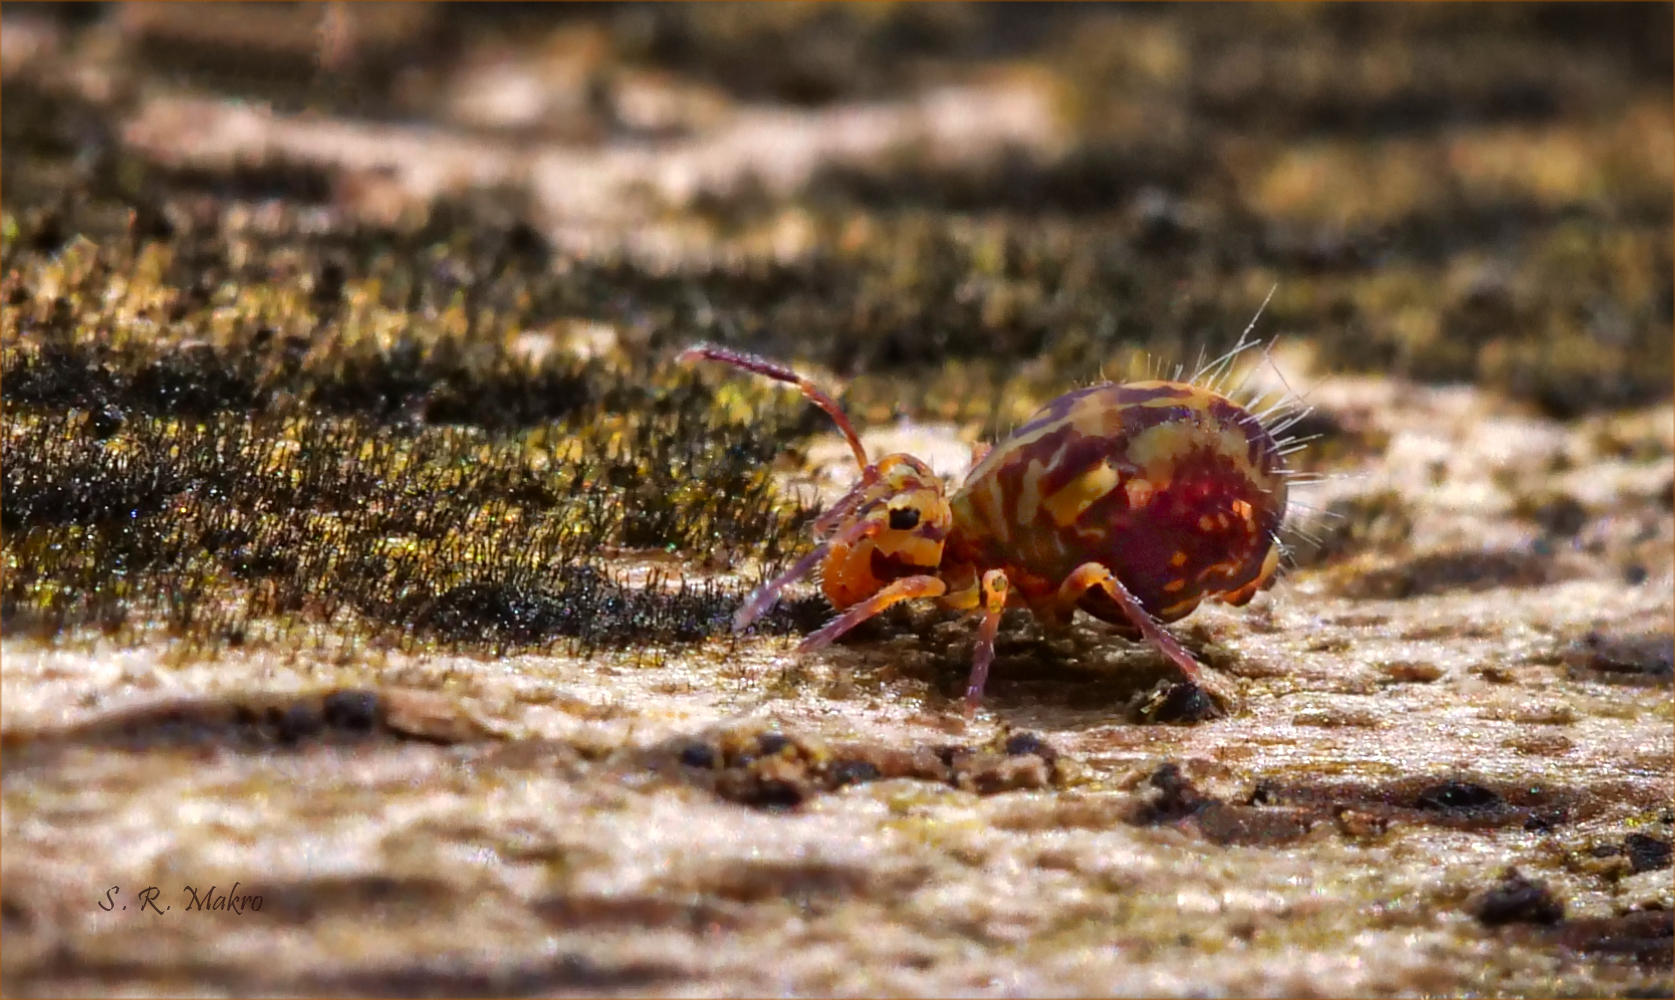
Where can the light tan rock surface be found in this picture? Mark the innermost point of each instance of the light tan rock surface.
(1408, 733)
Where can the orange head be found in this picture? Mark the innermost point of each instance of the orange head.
(890, 525)
(898, 517)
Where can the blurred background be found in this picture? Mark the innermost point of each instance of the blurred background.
(1446, 192)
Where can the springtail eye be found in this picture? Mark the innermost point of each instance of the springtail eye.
(904, 518)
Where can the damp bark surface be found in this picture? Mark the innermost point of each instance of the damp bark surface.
(368, 565)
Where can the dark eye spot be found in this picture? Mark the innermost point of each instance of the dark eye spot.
(904, 518)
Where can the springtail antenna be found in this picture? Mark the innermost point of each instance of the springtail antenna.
(780, 373)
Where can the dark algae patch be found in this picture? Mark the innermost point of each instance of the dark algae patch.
(1516, 899)
(777, 771)
(1638, 659)
(437, 484)
(256, 724)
